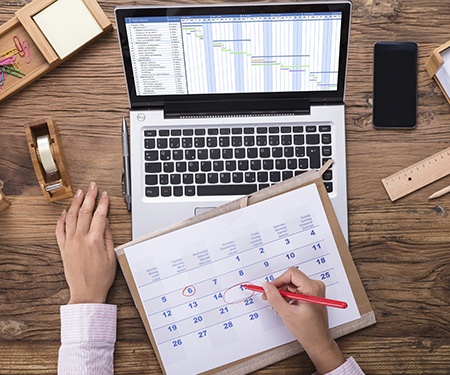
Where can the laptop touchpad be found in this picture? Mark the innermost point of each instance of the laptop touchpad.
(200, 210)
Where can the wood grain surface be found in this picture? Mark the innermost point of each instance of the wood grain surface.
(401, 249)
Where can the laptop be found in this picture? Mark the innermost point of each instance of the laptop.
(229, 99)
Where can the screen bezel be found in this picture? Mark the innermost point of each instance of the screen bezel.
(313, 96)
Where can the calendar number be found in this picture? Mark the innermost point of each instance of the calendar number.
(290, 255)
(193, 305)
(202, 334)
(249, 301)
(269, 278)
(223, 310)
(218, 296)
(197, 319)
(172, 328)
(316, 246)
(321, 261)
(253, 316)
(176, 343)
(167, 313)
(325, 275)
(227, 325)
(189, 291)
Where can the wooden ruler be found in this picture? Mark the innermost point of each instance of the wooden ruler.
(418, 175)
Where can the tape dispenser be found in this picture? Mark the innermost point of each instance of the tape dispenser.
(48, 159)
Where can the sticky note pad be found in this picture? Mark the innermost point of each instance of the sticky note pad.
(67, 25)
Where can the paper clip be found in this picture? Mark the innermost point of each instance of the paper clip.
(19, 46)
(2, 77)
(8, 60)
(26, 49)
(11, 53)
(14, 72)
(23, 48)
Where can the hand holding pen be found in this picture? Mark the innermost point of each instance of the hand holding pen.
(307, 322)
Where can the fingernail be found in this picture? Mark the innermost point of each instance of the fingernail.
(79, 192)
(92, 186)
(64, 212)
(104, 194)
(264, 285)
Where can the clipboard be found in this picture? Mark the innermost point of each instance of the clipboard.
(435, 63)
(263, 359)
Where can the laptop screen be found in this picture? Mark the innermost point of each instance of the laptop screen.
(298, 50)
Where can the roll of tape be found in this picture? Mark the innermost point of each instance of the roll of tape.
(45, 154)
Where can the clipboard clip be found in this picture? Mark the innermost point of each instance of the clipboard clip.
(324, 167)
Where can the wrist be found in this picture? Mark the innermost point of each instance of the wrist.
(74, 299)
(326, 358)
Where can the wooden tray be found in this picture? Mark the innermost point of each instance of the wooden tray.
(43, 57)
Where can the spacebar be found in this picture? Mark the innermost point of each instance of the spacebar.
(203, 190)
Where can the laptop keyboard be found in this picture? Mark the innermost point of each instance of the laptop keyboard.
(232, 160)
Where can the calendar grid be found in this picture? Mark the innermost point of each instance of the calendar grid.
(190, 284)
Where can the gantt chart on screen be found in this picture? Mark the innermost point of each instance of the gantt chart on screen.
(235, 53)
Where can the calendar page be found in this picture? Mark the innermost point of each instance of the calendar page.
(189, 281)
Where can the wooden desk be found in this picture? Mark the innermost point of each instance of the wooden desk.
(401, 249)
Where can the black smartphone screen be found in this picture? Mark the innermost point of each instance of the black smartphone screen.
(395, 85)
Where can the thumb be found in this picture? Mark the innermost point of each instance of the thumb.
(274, 297)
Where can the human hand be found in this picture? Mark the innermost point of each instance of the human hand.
(306, 321)
(87, 247)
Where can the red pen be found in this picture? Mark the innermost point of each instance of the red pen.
(301, 297)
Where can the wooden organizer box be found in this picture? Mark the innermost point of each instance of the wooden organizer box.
(434, 63)
(35, 23)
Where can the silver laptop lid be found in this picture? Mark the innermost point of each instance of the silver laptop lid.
(186, 58)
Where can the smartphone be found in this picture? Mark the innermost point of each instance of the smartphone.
(394, 85)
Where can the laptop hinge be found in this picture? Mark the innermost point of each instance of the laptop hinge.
(236, 107)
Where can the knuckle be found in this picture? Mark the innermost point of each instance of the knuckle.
(319, 287)
(85, 211)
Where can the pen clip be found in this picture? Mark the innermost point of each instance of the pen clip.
(123, 184)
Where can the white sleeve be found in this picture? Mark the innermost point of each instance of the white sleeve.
(88, 335)
(349, 367)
